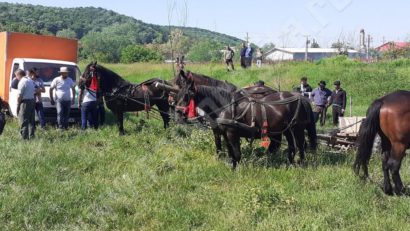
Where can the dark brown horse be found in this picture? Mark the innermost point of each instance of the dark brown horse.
(238, 114)
(183, 79)
(122, 96)
(389, 117)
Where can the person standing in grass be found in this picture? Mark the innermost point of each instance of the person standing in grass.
(338, 102)
(26, 105)
(320, 97)
(243, 59)
(248, 55)
(305, 89)
(39, 85)
(258, 57)
(62, 85)
(87, 100)
(228, 56)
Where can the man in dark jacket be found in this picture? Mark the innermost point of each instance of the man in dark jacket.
(243, 52)
(305, 89)
(338, 102)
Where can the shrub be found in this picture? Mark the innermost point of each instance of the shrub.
(136, 53)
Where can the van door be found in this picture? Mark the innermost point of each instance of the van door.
(13, 94)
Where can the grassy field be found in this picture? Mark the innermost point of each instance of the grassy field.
(155, 179)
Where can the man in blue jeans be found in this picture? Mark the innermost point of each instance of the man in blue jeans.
(62, 85)
(39, 85)
(87, 100)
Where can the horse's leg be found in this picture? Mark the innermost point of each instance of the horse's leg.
(387, 188)
(164, 112)
(396, 156)
(300, 142)
(235, 143)
(291, 146)
(218, 141)
(275, 142)
(120, 122)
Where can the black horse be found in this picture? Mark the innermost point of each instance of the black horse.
(122, 96)
(242, 114)
(182, 79)
(2, 115)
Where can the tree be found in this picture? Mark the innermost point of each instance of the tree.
(66, 33)
(268, 46)
(205, 51)
(136, 53)
(314, 44)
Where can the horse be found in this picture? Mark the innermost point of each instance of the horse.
(122, 96)
(388, 116)
(3, 106)
(240, 114)
(183, 79)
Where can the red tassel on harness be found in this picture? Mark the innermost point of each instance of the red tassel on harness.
(264, 136)
(191, 109)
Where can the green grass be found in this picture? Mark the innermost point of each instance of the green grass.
(155, 179)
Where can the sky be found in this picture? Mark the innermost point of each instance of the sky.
(284, 23)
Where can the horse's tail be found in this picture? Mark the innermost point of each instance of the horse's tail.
(368, 130)
(310, 125)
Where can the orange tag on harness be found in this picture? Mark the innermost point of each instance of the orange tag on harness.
(265, 143)
(191, 109)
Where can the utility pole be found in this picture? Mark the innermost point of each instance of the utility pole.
(368, 47)
(247, 37)
(307, 47)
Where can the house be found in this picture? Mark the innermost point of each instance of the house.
(392, 45)
(298, 54)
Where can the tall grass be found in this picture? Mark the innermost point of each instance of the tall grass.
(155, 179)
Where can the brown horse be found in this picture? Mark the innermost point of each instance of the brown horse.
(389, 117)
(241, 114)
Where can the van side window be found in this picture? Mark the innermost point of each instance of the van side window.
(15, 68)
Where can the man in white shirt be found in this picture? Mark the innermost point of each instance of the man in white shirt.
(62, 85)
(26, 105)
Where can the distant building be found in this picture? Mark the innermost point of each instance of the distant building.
(298, 54)
(392, 46)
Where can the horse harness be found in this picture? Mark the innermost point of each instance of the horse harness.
(254, 98)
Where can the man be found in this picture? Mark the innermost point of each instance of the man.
(248, 55)
(228, 56)
(320, 98)
(259, 56)
(62, 85)
(338, 102)
(87, 100)
(243, 59)
(15, 81)
(305, 89)
(2, 116)
(26, 105)
(39, 85)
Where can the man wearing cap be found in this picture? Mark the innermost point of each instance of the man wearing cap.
(320, 98)
(26, 105)
(62, 85)
(338, 102)
(305, 89)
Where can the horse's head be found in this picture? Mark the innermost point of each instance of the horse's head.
(107, 79)
(184, 102)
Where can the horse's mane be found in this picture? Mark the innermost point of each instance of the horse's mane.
(214, 82)
(112, 75)
(218, 94)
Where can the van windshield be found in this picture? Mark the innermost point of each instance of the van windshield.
(48, 71)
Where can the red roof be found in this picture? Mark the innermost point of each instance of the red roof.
(393, 45)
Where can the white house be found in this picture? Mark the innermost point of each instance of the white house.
(298, 54)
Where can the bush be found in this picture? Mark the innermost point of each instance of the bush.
(205, 51)
(136, 53)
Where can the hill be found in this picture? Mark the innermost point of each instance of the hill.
(96, 25)
(82, 20)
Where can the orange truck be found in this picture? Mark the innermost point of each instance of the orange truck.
(47, 54)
